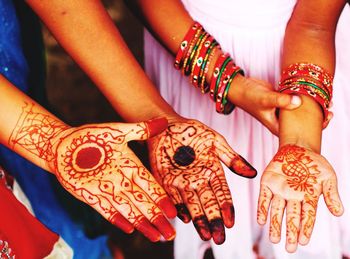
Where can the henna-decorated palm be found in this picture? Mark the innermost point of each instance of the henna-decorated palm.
(186, 161)
(95, 164)
(294, 180)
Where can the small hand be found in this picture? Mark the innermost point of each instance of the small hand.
(95, 164)
(260, 100)
(186, 161)
(294, 180)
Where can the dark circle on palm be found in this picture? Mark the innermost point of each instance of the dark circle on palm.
(184, 155)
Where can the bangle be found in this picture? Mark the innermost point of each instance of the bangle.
(193, 58)
(310, 80)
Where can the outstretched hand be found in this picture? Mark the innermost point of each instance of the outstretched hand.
(95, 164)
(294, 181)
(186, 161)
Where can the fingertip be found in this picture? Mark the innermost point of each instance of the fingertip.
(217, 230)
(242, 167)
(291, 248)
(275, 240)
(202, 226)
(164, 227)
(261, 221)
(167, 207)
(228, 215)
(303, 240)
(295, 101)
(183, 213)
(156, 126)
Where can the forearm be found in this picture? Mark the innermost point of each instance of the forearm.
(27, 128)
(88, 34)
(310, 38)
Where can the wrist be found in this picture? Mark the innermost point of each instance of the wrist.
(314, 146)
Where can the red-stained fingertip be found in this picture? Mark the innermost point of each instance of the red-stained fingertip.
(146, 228)
(119, 221)
(228, 214)
(165, 228)
(156, 126)
(167, 207)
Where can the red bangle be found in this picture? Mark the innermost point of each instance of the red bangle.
(185, 44)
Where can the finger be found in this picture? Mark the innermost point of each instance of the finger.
(308, 217)
(279, 100)
(265, 197)
(199, 219)
(119, 221)
(109, 206)
(143, 130)
(212, 211)
(327, 120)
(223, 196)
(277, 209)
(331, 197)
(232, 160)
(182, 211)
(148, 183)
(107, 209)
(151, 211)
(293, 223)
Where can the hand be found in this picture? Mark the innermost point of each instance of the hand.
(95, 164)
(294, 180)
(186, 160)
(260, 100)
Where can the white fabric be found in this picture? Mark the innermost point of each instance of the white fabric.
(252, 32)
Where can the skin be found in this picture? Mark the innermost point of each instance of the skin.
(255, 96)
(92, 162)
(91, 39)
(310, 37)
(186, 161)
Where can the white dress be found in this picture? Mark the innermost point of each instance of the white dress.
(252, 32)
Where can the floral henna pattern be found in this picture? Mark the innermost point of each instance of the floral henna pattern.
(186, 160)
(95, 164)
(297, 176)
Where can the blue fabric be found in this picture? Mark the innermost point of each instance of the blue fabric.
(42, 189)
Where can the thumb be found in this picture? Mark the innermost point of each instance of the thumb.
(144, 130)
(331, 197)
(284, 101)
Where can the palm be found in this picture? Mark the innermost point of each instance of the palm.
(95, 164)
(295, 179)
(186, 160)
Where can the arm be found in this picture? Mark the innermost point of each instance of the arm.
(85, 30)
(87, 33)
(92, 162)
(298, 174)
(169, 23)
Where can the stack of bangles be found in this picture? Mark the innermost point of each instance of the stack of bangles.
(311, 80)
(193, 58)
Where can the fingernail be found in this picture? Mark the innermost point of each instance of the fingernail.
(296, 100)
(167, 207)
(228, 214)
(165, 228)
(183, 213)
(156, 126)
(202, 226)
(146, 228)
(241, 167)
(119, 221)
(217, 230)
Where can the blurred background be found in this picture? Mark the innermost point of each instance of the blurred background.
(76, 100)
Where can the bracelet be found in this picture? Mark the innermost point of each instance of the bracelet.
(193, 59)
(310, 80)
